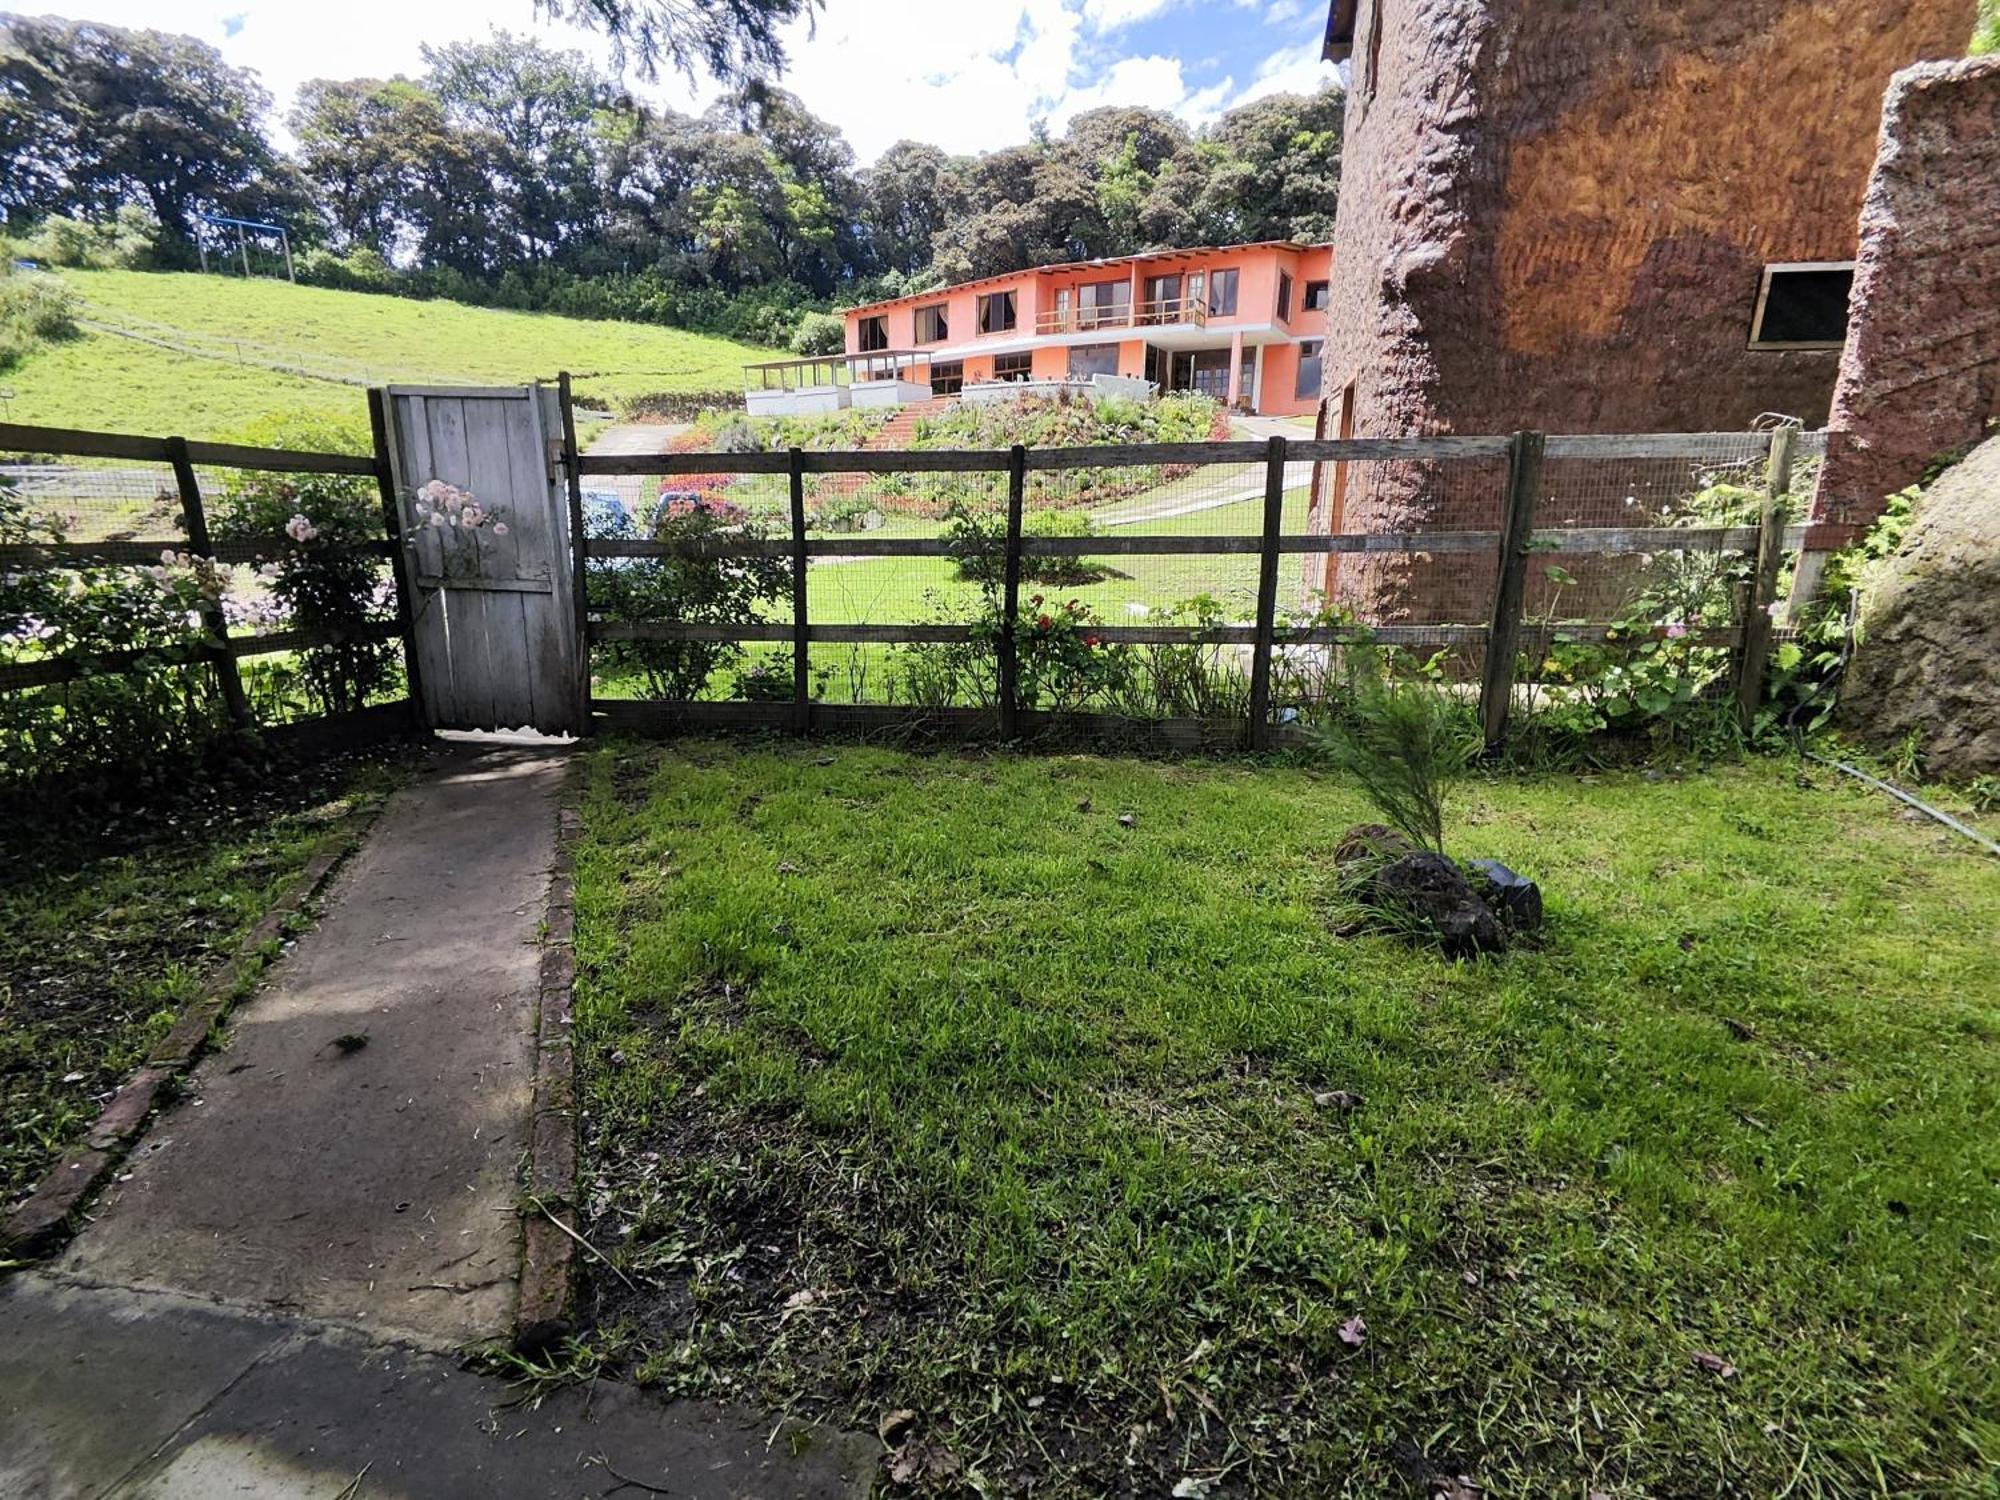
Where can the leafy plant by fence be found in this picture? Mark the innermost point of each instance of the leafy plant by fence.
(160, 597)
(1672, 625)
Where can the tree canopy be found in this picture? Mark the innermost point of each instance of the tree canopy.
(518, 171)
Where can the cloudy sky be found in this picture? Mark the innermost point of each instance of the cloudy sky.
(968, 75)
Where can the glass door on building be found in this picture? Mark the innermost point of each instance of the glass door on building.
(1163, 300)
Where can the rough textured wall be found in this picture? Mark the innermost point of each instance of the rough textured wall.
(1921, 372)
(1555, 215)
(1929, 658)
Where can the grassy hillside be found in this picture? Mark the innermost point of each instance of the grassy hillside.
(227, 335)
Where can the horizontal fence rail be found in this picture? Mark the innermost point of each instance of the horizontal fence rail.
(219, 646)
(1513, 547)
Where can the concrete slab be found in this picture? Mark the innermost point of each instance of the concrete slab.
(311, 1418)
(150, 1396)
(92, 1383)
(375, 1187)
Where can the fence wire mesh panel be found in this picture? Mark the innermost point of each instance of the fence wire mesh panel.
(154, 605)
(308, 590)
(1243, 582)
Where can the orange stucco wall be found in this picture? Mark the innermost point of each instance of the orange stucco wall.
(1258, 269)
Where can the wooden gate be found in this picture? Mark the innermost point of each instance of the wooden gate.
(487, 557)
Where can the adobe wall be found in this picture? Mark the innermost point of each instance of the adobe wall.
(1921, 372)
(1556, 214)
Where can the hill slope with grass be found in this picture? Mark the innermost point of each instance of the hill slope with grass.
(204, 356)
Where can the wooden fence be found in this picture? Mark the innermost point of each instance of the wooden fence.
(221, 649)
(1511, 544)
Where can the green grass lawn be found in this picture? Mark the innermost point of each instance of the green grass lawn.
(105, 933)
(107, 382)
(920, 1083)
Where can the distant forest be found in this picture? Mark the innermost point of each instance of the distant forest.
(515, 174)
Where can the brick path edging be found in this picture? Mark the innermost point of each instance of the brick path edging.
(41, 1223)
(545, 1312)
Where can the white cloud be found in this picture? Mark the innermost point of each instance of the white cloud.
(1109, 15)
(1291, 70)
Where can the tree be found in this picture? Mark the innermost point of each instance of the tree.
(733, 39)
(96, 116)
(904, 208)
(1024, 206)
(532, 112)
(1280, 171)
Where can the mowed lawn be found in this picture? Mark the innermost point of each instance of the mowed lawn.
(924, 1084)
(108, 382)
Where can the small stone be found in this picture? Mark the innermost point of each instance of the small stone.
(1344, 1100)
(1126, 820)
(1515, 898)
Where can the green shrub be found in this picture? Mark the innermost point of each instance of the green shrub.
(34, 310)
(128, 240)
(318, 580)
(1401, 737)
(819, 333)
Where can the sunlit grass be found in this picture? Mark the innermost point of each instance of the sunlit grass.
(1025, 1099)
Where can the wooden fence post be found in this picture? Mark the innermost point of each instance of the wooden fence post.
(399, 557)
(579, 559)
(1010, 602)
(1503, 632)
(1756, 646)
(194, 520)
(1267, 596)
(801, 647)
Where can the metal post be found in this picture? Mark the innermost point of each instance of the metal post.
(195, 521)
(801, 643)
(1010, 599)
(400, 562)
(285, 244)
(1756, 645)
(579, 569)
(1503, 633)
(1267, 597)
(243, 248)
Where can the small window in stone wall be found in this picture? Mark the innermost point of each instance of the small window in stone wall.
(1802, 305)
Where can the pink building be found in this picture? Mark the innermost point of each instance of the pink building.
(1242, 323)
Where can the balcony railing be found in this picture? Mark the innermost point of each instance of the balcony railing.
(1190, 310)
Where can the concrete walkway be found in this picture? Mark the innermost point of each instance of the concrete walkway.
(261, 1304)
(146, 1396)
(354, 1155)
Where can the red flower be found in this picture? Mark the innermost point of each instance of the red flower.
(1045, 624)
(1092, 641)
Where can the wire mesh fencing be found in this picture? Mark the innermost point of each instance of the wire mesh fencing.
(1205, 582)
(150, 603)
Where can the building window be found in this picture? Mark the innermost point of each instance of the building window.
(1104, 304)
(1284, 297)
(1309, 369)
(1222, 294)
(1316, 296)
(948, 377)
(996, 312)
(931, 325)
(1802, 306)
(1092, 359)
(873, 333)
(1163, 300)
(1013, 366)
